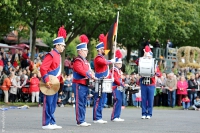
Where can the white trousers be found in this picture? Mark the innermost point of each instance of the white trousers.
(5, 96)
(35, 94)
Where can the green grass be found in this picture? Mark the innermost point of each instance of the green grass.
(128, 107)
(161, 107)
(19, 104)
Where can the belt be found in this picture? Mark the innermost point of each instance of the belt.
(80, 81)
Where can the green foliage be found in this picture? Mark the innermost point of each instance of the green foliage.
(178, 20)
(46, 37)
(71, 49)
(8, 15)
(129, 69)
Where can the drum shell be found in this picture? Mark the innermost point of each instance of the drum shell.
(146, 67)
(107, 85)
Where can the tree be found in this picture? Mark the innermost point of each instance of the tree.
(8, 15)
(34, 13)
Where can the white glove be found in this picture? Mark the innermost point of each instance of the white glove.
(112, 61)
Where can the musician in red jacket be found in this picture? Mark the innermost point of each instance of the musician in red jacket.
(117, 87)
(101, 66)
(51, 65)
(81, 74)
(147, 85)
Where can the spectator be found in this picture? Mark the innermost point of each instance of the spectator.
(169, 44)
(15, 56)
(157, 44)
(2, 51)
(38, 61)
(146, 43)
(164, 96)
(24, 62)
(67, 64)
(1, 63)
(158, 90)
(186, 103)
(196, 105)
(34, 88)
(8, 66)
(171, 85)
(126, 96)
(67, 87)
(13, 89)
(192, 89)
(133, 82)
(40, 99)
(138, 99)
(23, 81)
(182, 86)
(4, 58)
(16, 62)
(6, 86)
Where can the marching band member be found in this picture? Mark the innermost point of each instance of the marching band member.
(147, 89)
(117, 93)
(51, 65)
(101, 66)
(81, 72)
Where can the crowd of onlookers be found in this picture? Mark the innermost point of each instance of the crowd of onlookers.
(181, 90)
(17, 83)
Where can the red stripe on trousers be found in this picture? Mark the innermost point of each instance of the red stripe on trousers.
(95, 110)
(114, 95)
(77, 109)
(43, 111)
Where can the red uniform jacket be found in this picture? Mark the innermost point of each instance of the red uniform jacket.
(81, 70)
(51, 65)
(101, 66)
(117, 78)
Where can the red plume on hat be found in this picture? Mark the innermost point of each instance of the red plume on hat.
(84, 39)
(147, 49)
(62, 32)
(118, 54)
(101, 38)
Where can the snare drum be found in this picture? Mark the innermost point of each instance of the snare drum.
(146, 67)
(107, 85)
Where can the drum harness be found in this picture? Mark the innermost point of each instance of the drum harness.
(100, 87)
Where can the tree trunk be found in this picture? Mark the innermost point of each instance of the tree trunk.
(128, 56)
(89, 52)
(33, 40)
(63, 59)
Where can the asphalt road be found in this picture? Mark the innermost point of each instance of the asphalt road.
(163, 121)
